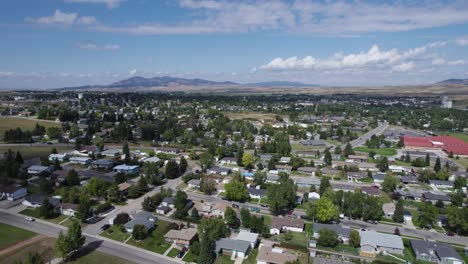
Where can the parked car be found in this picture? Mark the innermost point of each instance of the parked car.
(255, 209)
(105, 227)
(181, 254)
(450, 233)
(235, 206)
(30, 218)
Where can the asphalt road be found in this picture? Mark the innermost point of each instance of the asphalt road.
(376, 131)
(133, 254)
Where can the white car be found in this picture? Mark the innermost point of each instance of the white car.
(29, 218)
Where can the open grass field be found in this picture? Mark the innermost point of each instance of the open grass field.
(29, 152)
(35, 213)
(379, 151)
(155, 241)
(462, 136)
(10, 235)
(11, 122)
(96, 257)
(190, 257)
(44, 247)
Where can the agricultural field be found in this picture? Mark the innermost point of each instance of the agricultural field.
(34, 151)
(44, 246)
(10, 122)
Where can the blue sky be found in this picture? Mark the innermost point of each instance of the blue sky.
(56, 43)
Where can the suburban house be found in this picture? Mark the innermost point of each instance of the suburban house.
(162, 210)
(272, 178)
(228, 161)
(211, 209)
(308, 170)
(152, 160)
(232, 247)
(146, 219)
(409, 180)
(123, 188)
(441, 184)
(434, 198)
(274, 255)
(283, 168)
(250, 237)
(365, 166)
(358, 158)
(218, 171)
(103, 164)
(81, 160)
(281, 224)
(256, 193)
(388, 209)
(12, 193)
(341, 231)
(37, 169)
(285, 160)
(111, 153)
(166, 150)
(35, 200)
(435, 252)
(127, 169)
(68, 209)
(354, 176)
(374, 243)
(194, 183)
(168, 201)
(59, 156)
(378, 177)
(330, 172)
(181, 238)
(371, 190)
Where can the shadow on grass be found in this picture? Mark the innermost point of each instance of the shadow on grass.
(87, 249)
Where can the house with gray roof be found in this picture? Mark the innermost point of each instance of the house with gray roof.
(256, 193)
(232, 247)
(434, 198)
(36, 200)
(342, 231)
(144, 218)
(435, 252)
(103, 164)
(441, 184)
(374, 243)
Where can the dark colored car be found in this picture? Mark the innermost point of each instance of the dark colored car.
(450, 233)
(181, 254)
(105, 227)
(235, 206)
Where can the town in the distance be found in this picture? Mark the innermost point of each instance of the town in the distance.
(173, 177)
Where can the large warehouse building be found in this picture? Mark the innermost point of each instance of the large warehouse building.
(446, 143)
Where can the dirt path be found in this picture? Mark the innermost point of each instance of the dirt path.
(21, 244)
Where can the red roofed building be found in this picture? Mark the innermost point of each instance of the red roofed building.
(446, 143)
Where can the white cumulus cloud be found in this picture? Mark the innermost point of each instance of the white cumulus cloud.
(108, 3)
(89, 45)
(60, 18)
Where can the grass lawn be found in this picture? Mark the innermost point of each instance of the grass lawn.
(115, 233)
(173, 253)
(267, 220)
(35, 213)
(10, 235)
(96, 257)
(223, 259)
(379, 151)
(29, 152)
(461, 161)
(252, 258)
(190, 257)
(11, 122)
(309, 228)
(462, 136)
(292, 238)
(155, 241)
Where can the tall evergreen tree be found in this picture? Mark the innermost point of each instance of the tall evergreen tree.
(207, 248)
(437, 165)
(427, 160)
(399, 210)
(126, 152)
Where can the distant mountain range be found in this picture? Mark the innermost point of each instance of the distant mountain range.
(454, 82)
(140, 83)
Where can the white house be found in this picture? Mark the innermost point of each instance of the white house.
(81, 160)
(37, 169)
(59, 156)
(68, 209)
(281, 224)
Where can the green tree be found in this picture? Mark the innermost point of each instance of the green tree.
(126, 152)
(248, 160)
(382, 164)
(236, 191)
(327, 238)
(195, 215)
(46, 210)
(207, 247)
(245, 217)
(325, 210)
(139, 232)
(172, 169)
(457, 219)
(61, 246)
(230, 217)
(182, 165)
(215, 227)
(327, 158)
(348, 150)
(74, 236)
(240, 154)
(324, 185)
(72, 178)
(399, 211)
(427, 161)
(389, 184)
(281, 196)
(84, 210)
(437, 166)
(354, 238)
(427, 215)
